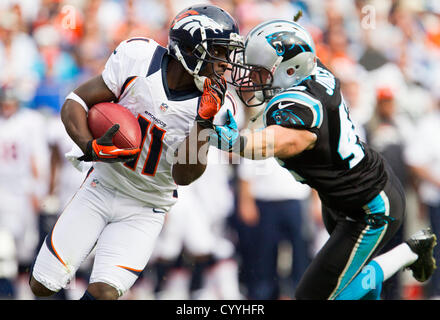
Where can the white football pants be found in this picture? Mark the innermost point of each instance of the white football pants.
(123, 230)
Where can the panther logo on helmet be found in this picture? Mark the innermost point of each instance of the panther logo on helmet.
(192, 21)
(287, 44)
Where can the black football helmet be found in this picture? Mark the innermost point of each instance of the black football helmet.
(195, 33)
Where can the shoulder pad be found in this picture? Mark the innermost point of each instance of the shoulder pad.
(294, 109)
(137, 48)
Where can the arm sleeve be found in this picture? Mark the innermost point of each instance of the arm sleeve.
(130, 59)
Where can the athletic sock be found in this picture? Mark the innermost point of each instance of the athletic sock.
(395, 260)
(87, 296)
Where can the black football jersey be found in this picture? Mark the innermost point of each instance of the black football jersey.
(346, 173)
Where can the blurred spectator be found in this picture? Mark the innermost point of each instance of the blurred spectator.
(250, 13)
(57, 67)
(272, 224)
(424, 158)
(385, 134)
(22, 161)
(18, 56)
(271, 208)
(8, 265)
(356, 91)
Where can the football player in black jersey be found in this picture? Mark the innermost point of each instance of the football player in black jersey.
(308, 129)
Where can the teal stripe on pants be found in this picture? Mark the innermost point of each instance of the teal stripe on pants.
(366, 244)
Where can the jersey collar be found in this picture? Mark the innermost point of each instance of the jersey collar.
(175, 95)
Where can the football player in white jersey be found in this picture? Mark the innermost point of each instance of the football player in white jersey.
(175, 93)
(21, 170)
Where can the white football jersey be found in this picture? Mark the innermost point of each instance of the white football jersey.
(136, 73)
(21, 141)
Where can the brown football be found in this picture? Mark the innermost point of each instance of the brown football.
(103, 116)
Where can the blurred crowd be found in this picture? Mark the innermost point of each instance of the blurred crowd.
(386, 54)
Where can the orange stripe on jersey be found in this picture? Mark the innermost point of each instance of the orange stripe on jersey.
(130, 81)
(56, 253)
(135, 271)
(51, 247)
(87, 175)
(127, 82)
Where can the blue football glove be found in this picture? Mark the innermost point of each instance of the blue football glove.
(226, 137)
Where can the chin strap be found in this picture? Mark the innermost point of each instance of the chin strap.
(198, 80)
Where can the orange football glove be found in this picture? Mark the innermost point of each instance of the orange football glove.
(213, 97)
(103, 149)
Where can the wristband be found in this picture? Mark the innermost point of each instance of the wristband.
(73, 96)
(205, 123)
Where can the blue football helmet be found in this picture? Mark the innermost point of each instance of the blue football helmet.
(196, 32)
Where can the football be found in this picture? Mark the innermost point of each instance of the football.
(103, 116)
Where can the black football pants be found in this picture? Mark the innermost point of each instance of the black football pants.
(352, 243)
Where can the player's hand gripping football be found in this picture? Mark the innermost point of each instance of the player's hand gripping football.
(213, 97)
(103, 149)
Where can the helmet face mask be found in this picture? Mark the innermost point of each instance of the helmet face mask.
(197, 32)
(282, 52)
(212, 51)
(254, 84)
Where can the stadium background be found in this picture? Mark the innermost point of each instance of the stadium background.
(386, 53)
